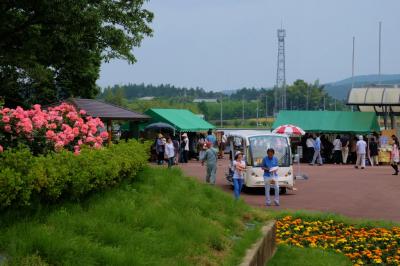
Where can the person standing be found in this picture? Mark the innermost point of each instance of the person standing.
(353, 150)
(200, 146)
(310, 148)
(337, 151)
(223, 145)
(270, 166)
(345, 148)
(373, 151)
(361, 149)
(210, 159)
(160, 149)
(317, 151)
(170, 152)
(395, 158)
(176, 149)
(239, 167)
(211, 138)
(185, 148)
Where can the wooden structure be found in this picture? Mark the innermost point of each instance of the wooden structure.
(109, 112)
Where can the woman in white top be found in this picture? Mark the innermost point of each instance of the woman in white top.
(239, 167)
(337, 150)
(170, 152)
(395, 157)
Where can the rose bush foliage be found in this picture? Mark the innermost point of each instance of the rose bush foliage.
(53, 129)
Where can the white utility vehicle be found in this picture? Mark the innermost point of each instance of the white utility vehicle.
(254, 145)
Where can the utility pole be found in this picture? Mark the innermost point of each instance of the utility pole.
(266, 105)
(221, 113)
(352, 68)
(352, 64)
(257, 113)
(281, 72)
(243, 110)
(335, 104)
(379, 57)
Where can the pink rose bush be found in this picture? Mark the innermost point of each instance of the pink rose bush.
(53, 129)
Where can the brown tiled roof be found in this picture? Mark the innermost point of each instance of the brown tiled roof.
(106, 111)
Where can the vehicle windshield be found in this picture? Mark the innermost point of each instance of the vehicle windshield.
(260, 144)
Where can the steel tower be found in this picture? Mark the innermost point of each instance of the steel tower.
(280, 87)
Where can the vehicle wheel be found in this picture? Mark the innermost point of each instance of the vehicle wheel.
(245, 188)
(282, 190)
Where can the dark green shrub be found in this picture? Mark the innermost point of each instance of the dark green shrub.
(24, 177)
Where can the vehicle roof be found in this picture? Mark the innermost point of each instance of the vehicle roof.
(251, 133)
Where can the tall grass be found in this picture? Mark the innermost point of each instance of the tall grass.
(162, 218)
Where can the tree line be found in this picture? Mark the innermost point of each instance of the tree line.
(243, 103)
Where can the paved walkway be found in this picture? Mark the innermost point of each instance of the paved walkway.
(370, 193)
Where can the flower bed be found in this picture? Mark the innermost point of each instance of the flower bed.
(363, 246)
(25, 178)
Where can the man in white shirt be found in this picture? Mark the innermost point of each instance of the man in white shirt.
(361, 149)
(310, 148)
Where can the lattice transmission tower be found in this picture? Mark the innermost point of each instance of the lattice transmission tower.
(280, 87)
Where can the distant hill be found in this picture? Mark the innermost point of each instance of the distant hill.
(340, 89)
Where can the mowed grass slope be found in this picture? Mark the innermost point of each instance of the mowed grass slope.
(162, 218)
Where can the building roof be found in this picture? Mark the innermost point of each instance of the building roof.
(329, 121)
(206, 100)
(106, 111)
(181, 119)
(376, 99)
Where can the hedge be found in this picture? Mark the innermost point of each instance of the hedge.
(25, 178)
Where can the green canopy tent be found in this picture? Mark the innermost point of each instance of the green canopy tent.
(181, 119)
(330, 121)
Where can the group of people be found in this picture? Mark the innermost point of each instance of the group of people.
(345, 150)
(187, 146)
(270, 167)
(171, 149)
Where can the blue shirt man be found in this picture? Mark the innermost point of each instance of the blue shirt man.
(211, 138)
(269, 162)
(317, 144)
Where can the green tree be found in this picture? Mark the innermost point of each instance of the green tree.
(203, 109)
(51, 50)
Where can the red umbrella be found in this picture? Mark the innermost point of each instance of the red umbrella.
(289, 130)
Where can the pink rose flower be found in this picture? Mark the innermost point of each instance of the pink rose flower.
(7, 128)
(5, 119)
(50, 134)
(104, 134)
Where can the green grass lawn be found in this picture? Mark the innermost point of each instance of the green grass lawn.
(162, 218)
(294, 256)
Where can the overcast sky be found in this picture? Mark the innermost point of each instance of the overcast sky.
(229, 44)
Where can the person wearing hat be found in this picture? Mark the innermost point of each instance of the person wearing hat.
(185, 148)
(361, 149)
(210, 158)
(270, 166)
(170, 152)
(239, 166)
(160, 149)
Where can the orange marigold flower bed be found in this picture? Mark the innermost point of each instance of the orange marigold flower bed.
(363, 246)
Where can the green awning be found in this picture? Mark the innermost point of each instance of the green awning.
(329, 121)
(183, 120)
